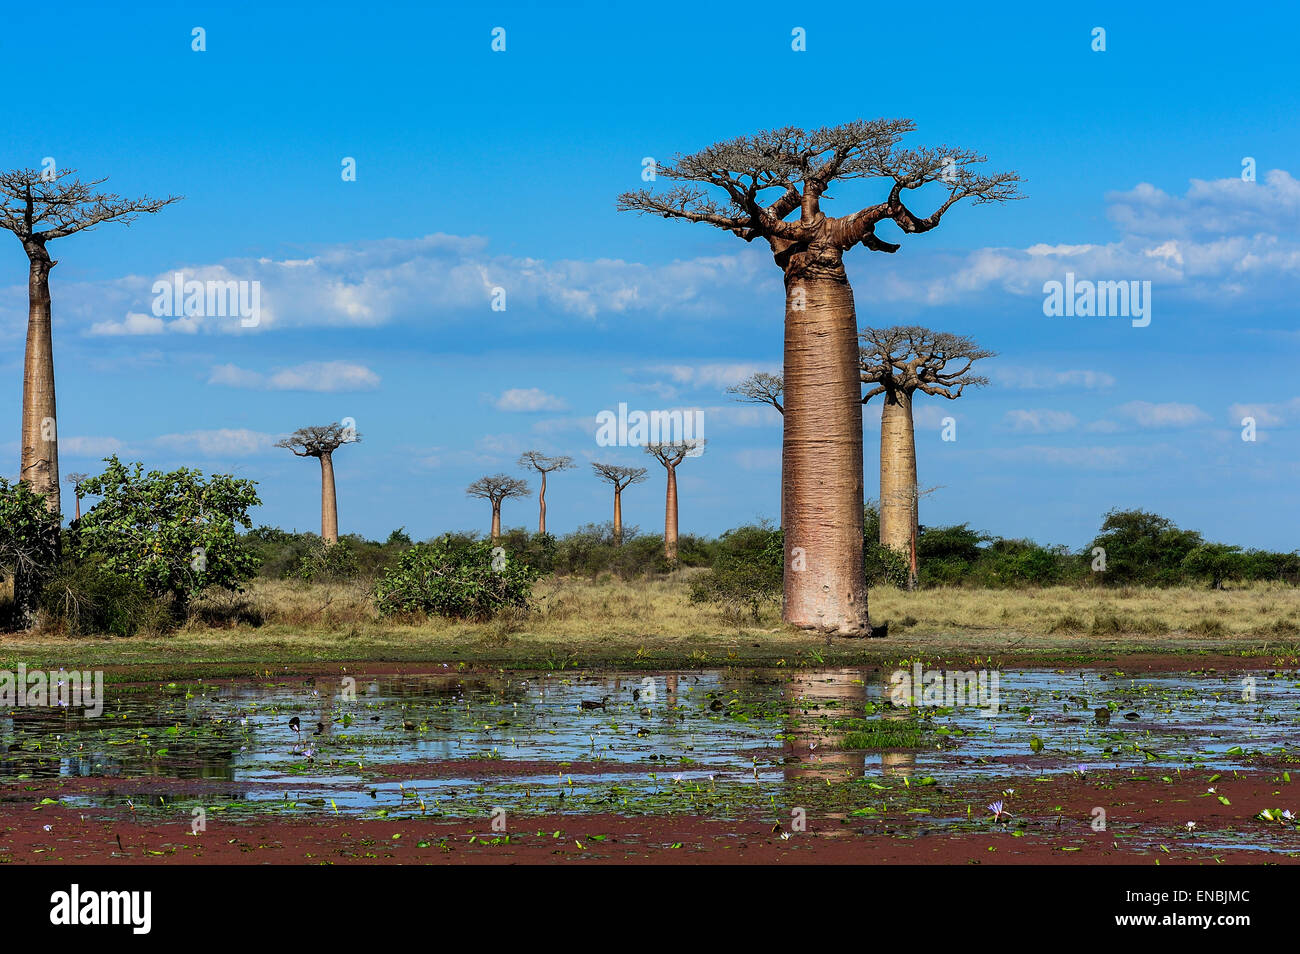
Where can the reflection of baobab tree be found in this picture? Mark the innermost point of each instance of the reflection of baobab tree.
(815, 699)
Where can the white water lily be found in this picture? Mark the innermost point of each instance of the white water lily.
(1191, 826)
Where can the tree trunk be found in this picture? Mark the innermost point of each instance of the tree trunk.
(541, 506)
(822, 503)
(670, 516)
(618, 517)
(39, 465)
(898, 498)
(496, 522)
(329, 507)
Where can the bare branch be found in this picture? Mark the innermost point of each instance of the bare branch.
(620, 477)
(760, 388)
(498, 487)
(319, 440)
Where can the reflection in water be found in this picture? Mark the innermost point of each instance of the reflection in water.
(448, 733)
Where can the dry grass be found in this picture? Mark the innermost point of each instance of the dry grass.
(610, 621)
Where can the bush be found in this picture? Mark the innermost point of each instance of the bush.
(84, 598)
(172, 533)
(1144, 547)
(746, 572)
(329, 563)
(1215, 563)
(454, 578)
(29, 541)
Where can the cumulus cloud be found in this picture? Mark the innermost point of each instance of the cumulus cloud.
(326, 377)
(1267, 415)
(223, 442)
(1171, 414)
(1039, 421)
(529, 399)
(1042, 379)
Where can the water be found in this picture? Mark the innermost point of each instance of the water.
(443, 742)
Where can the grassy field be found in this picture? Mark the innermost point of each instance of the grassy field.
(653, 624)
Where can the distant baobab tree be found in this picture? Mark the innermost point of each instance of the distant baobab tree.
(621, 478)
(39, 206)
(75, 480)
(497, 488)
(760, 388)
(671, 455)
(822, 444)
(543, 465)
(898, 362)
(321, 441)
(763, 388)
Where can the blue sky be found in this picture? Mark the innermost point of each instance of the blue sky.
(478, 169)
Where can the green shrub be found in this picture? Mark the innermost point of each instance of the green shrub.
(746, 572)
(456, 579)
(173, 533)
(85, 598)
(329, 563)
(29, 541)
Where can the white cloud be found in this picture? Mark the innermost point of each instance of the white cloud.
(529, 399)
(325, 377)
(1171, 414)
(1039, 421)
(1042, 379)
(223, 442)
(1267, 415)
(89, 446)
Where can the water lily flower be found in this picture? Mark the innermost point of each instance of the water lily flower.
(1191, 826)
(998, 811)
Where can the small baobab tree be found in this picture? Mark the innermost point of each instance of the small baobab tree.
(760, 388)
(497, 488)
(671, 455)
(75, 480)
(763, 180)
(543, 465)
(321, 441)
(763, 388)
(38, 206)
(621, 478)
(897, 362)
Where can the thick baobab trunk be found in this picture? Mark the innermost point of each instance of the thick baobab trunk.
(329, 507)
(898, 498)
(618, 517)
(822, 503)
(39, 465)
(496, 522)
(670, 516)
(541, 506)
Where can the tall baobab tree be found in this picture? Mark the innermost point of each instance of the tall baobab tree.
(671, 455)
(75, 480)
(497, 488)
(543, 465)
(321, 441)
(621, 478)
(39, 206)
(822, 445)
(898, 362)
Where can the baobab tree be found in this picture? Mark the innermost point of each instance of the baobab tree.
(321, 441)
(498, 488)
(897, 362)
(671, 455)
(39, 206)
(75, 480)
(760, 388)
(621, 478)
(543, 465)
(822, 492)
